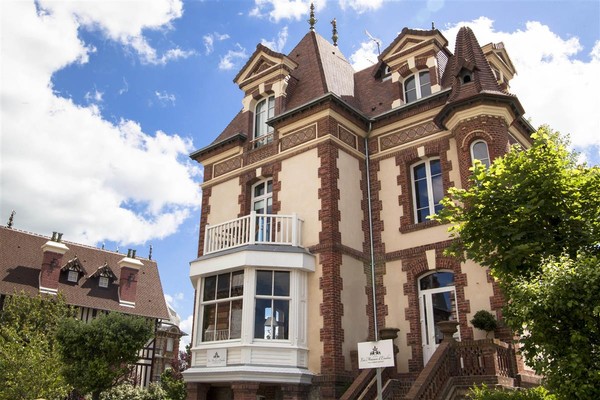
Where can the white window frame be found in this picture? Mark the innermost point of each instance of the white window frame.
(266, 197)
(217, 335)
(263, 133)
(486, 161)
(418, 85)
(72, 275)
(103, 281)
(272, 297)
(430, 190)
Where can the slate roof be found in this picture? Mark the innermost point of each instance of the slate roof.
(21, 260)
(323, 69)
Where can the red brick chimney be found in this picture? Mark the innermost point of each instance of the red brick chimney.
(53, 253)
(130, 267)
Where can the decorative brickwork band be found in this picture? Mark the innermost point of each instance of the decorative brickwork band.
(296, 138)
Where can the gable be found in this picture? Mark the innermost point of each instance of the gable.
(411, 41)
(262, 63)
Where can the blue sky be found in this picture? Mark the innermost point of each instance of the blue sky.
(103, 101)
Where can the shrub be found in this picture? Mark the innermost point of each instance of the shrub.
(484, 320)
(486, 393)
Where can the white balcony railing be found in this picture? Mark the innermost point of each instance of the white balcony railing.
(254, 229)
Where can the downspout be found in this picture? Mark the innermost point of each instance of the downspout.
(372, 251)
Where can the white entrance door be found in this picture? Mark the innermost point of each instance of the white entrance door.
(437, 302)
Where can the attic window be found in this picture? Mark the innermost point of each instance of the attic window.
(73, 276)
(417, 86)
(467, 78)
(103, 282)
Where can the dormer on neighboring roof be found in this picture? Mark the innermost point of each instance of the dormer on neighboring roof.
(53, 250)
(416, 60)
(501, 64)
(105, 275)
(74, 270)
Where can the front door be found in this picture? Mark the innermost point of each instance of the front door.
(437, 302)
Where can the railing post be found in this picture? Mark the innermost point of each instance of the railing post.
(295, 227)
(252, 233)
(206, 239)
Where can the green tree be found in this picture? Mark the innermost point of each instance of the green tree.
(98, 355)
(533, 218)
(29, 359)
(485, 393)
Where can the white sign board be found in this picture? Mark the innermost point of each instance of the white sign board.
(378, 354)
(216, 357)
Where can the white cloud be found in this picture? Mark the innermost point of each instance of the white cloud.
(125, 87)
(365, 56)
(209, 40)
(276, 10)
(63, 166)
(186, 326)
(122, 22)
(231, 59)
(361, 6)
(277, 44)
(94, 97)
(165, 98)
(555, 81)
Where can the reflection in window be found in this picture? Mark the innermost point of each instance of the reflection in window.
(271, 316)
(436, 280)
(222, 306)
(479, 151)
(417, 86)
(428, 188)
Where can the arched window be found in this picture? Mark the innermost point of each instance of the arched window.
(479, 151)
(428, 188)
(263, 133)
(417, 86)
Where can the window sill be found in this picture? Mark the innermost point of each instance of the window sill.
(418, 226)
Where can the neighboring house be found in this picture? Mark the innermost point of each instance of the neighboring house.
(326, 178)
(167, 344)
(91, 279)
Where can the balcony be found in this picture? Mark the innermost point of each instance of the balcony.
(254, 229)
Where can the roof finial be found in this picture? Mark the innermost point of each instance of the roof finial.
(10, 219)
(312, 20)
(150, 254)
(335, 35)
(432, 25)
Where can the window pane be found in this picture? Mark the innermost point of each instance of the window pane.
(438, 189)
(270, 186)
(237, 283)
(222, 332)
(425, 82)
(436, 167)
(235, 332)
(210, 285)
(259, 189)
(419, 171)
(208, 323)
(259, 207)
(262, 321)
(437, 280)
(410, 90)
(422, 214)
(280, 320)
(421, 194)
(264, 281)
(269, 205)
(282, 284)
(223, 286)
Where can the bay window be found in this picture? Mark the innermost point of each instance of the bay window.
(272, 307)
(222, 306)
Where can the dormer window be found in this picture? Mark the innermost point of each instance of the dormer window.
(103, 282)
(73, 276)
(263, 133)
(417, 86)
